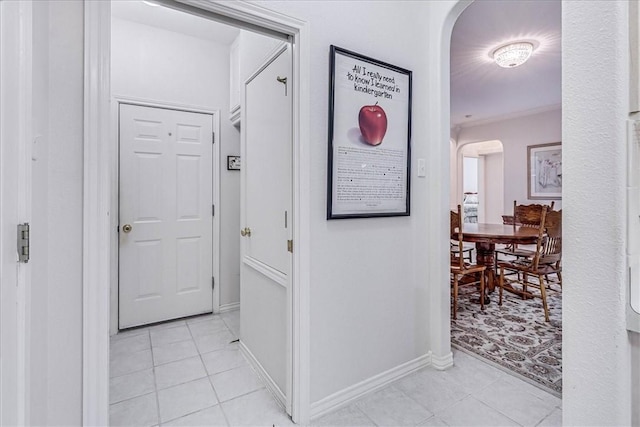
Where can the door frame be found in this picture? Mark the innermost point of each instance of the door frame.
(16, 58)
(458, 184)
(118, 100)
(97, 197)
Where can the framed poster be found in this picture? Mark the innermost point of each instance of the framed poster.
(369, 137)
(544, 171)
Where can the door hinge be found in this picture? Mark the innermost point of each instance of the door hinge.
(23, 242)
(290, 245)
(213, 137)
(213, 283)
(213, 210)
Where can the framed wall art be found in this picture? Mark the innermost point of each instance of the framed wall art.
(369, 137)
(544, 171)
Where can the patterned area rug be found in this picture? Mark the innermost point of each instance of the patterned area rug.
(515, 336)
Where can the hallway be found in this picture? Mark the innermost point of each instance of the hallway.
(188, 373)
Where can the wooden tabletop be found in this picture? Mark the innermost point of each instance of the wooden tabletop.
(498, 233)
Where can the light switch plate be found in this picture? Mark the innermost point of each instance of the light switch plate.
(422, 168)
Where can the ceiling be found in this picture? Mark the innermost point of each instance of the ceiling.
(479, 87)
(483, 90)
(169, 19)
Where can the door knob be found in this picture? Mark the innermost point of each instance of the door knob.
(127, 228)
(245, 232)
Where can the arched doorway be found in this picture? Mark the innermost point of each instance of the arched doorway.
(479, 180)
(517, 107)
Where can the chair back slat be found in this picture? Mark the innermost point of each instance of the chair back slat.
(552, 249)
(540, 242)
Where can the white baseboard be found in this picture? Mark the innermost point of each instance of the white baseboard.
(271, 385)
(443, 362)
(229, 307)
(349, 394)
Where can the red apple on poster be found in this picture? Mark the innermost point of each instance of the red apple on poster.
(373, 123)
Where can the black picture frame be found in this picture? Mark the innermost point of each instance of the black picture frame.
(233, 163)
(369, 170)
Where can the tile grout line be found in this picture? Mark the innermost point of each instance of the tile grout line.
(127, 354)
(193, 379)
(365, 414)
(156, 390)
(147, 332)
(433, 414)
(191, 413)
(497, 410)
(155, 382)
(187, 382)
(226, 370)
(512, 374)
(548, 415)
(215, 393)
(173, 342)
(225, 329)
(131, 398)
(180, 359)
(227, 325)
(132, 372)
(126, 334)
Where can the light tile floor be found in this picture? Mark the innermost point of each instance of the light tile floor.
(188, 373)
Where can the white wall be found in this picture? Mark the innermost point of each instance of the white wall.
(470, 175)
(600, 378)
(516, 134)
(494, 188)
(368, 312)
(160, 65)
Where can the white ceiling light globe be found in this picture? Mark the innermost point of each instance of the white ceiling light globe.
(513, 54)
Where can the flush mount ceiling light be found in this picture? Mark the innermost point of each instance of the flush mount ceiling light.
(513, 54)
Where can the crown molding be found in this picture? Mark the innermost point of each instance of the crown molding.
(508, 116)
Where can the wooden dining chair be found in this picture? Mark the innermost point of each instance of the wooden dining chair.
(545, 261)
(459, 268)
(552, 250)
(523, 216)
(467, 251)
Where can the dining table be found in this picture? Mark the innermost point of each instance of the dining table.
(486, 236)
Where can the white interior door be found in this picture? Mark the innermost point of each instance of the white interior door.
(266, 214)
(165, 257)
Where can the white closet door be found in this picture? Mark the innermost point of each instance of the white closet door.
(165, 259)
(266, 214)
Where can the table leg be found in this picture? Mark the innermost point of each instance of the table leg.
(485, 255)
